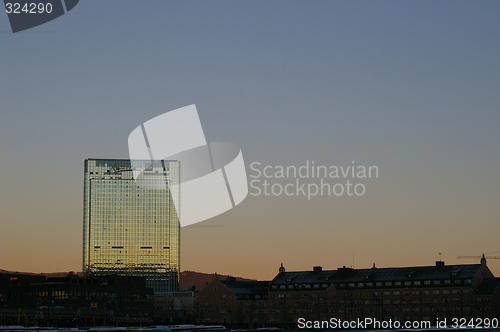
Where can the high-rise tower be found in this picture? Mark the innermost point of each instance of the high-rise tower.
(130, 221)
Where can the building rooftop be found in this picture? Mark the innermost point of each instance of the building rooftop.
(246, 287)
(318, 275)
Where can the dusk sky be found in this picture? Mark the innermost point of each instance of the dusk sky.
(411, 87)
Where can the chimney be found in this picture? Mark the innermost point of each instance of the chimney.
(439, 263)
(344, 272)
(317, 269)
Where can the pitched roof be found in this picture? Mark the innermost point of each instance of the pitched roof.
(246, 287)
(378, 274)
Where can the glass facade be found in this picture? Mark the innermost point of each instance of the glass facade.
(131, 224)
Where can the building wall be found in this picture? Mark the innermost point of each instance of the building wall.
(218, 304)
(390, 303)
(176, 307)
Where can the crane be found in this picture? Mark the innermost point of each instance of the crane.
(21, 315)
(479, 257)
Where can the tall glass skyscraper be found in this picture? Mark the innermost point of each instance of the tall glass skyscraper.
(130, 220)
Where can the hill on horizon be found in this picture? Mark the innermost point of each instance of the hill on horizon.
(200, 280)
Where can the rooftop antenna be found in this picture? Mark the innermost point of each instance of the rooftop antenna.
(440, 257)
(353, 260)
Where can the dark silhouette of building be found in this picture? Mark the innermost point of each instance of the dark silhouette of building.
(234, 303)
(487, 298)
(75, 301)
(404, 294)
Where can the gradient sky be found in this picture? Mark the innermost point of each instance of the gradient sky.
(411, 87)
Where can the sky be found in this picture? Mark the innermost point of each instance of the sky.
(409, 87)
